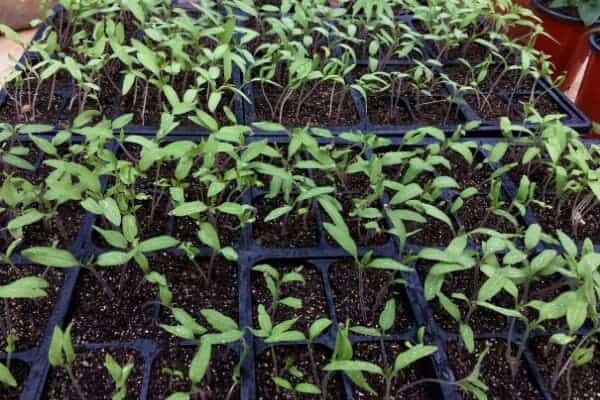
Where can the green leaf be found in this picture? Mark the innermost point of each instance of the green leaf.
(18, 162)
(278, 212)
(284, 383)
(411, 355)
(114, 238)
(200, 363)
(6, 377)
(158, 243)
(55, 353)
(179, 396)
(292, 302)
(350, 365)
(576, 314)
(67, 345)
(50, 257)
(113, 258)
(25, 288)
(342, 236)
(208, 235)
(388, 315)
(30, 217)
(468, 337)
(533, 235)
(214, 100)
(189, 208)
(111, 211)
(219, 321)
(389, 264)
(318, 327)
(307, 388)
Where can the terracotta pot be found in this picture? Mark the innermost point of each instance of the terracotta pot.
(576, 67)
(588, 98)
(20, 13)
(566, 32)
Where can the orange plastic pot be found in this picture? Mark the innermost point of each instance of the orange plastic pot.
(566, 32)
(588, 98)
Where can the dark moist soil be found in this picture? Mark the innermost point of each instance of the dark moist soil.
(129, 316)
(380, 111)
(495, 371)
(514, 154)
(547, 289)
(312, 294)
(468, 175)
(44, 111)
(189, 287)
(344, 284)
(314, 111)
(93, 376)
(431, 233)
(546, 216)
(45, 234)
(434, 111)
(33, 156)
(419, 370)
(588, 227)
(584, 379)
(19, 371)
(300, 358)
(29, 317)
(361, 235)
(494, 107)
(482, 320)
(474, 53)
(508, 81)
(474, 214)
(215, 385)
(290, 231)
(186, 229)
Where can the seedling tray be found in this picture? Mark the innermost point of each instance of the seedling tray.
(321, 259)
(245, 110)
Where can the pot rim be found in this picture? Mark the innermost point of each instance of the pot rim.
(555, 14)
(594, 42)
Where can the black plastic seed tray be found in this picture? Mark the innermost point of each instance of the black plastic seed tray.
(245, 111)
(321, 258)
(464, 112)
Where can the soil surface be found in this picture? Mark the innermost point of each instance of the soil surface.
(62, 229)
(315, 110)
(174, 361)
(128, 316)
(584, 380)
(300, 358)
(93, 377)
(495, 370)
(28, 317)
(420, 370)
(291, 230)
(378, 289)
(381, 112)
(190, 290)
(19, 371)
(482, 320)
(311, 293)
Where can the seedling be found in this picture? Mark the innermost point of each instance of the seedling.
(120, 375)
(62, 355)
(274, 281)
